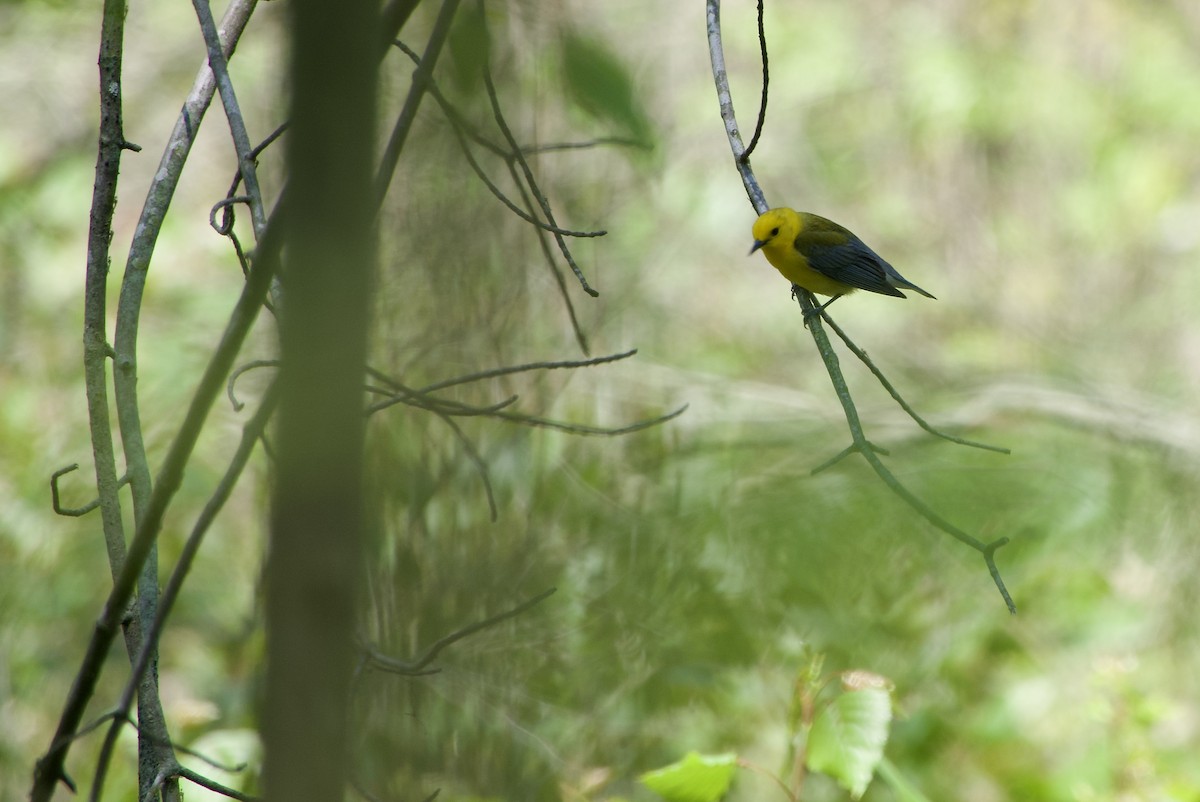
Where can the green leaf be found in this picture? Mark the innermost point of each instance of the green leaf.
(696, 778)
(848, 736)
(598, 81)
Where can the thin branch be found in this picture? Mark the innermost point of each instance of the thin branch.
(528, 366)
(169, 479)
(70, 738)
(416, 92)
(445, 409)
(96, 350)
(863, 446)
(257, 150)
(766, 79)
(418, 666)
(141, 249)
(439, 406)
(716, 54)
(559, 279)
(461, 131)
(887, 385)
(231, 768)
(214, 786)
(49, 770)
(154, 211)
(499, 194)
(392, 21)
(579, 428)
(236, 374)
(809, 309)
(451, 112)
(225, 228)
(530, 181)
(251, 432)
(233, 114)
(476, 459)
(625, 142)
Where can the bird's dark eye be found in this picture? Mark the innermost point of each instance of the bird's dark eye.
(775, 232)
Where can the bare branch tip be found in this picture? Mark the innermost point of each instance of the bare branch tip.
(989, 557)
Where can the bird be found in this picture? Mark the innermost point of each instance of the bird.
(818, 255)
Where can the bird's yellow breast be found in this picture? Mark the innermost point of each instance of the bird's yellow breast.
(784, 257)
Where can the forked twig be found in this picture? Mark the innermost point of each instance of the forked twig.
(447, 410)
(530, 181)
(809, 309)
(899, 399)
(214, 786)
(233, 114)
(74, 512)
(525, 183)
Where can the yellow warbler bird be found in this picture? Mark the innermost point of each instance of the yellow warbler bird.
(823, 257)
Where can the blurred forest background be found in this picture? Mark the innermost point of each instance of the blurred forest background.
(1034, 164)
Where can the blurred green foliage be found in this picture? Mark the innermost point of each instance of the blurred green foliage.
(1034, 165)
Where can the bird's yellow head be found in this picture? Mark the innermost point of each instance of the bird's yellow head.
(776, 227)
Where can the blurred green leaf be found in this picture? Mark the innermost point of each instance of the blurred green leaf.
(602, 86)
(696, 778)
(848, 737)
(469, 44)
(904, 790)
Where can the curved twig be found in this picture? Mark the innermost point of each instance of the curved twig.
(237, 373)
(493, 373)
(416, 667)
(766, 79)
(226, 225)
(55, 502)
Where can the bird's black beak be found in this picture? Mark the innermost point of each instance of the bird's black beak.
(758, 243)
